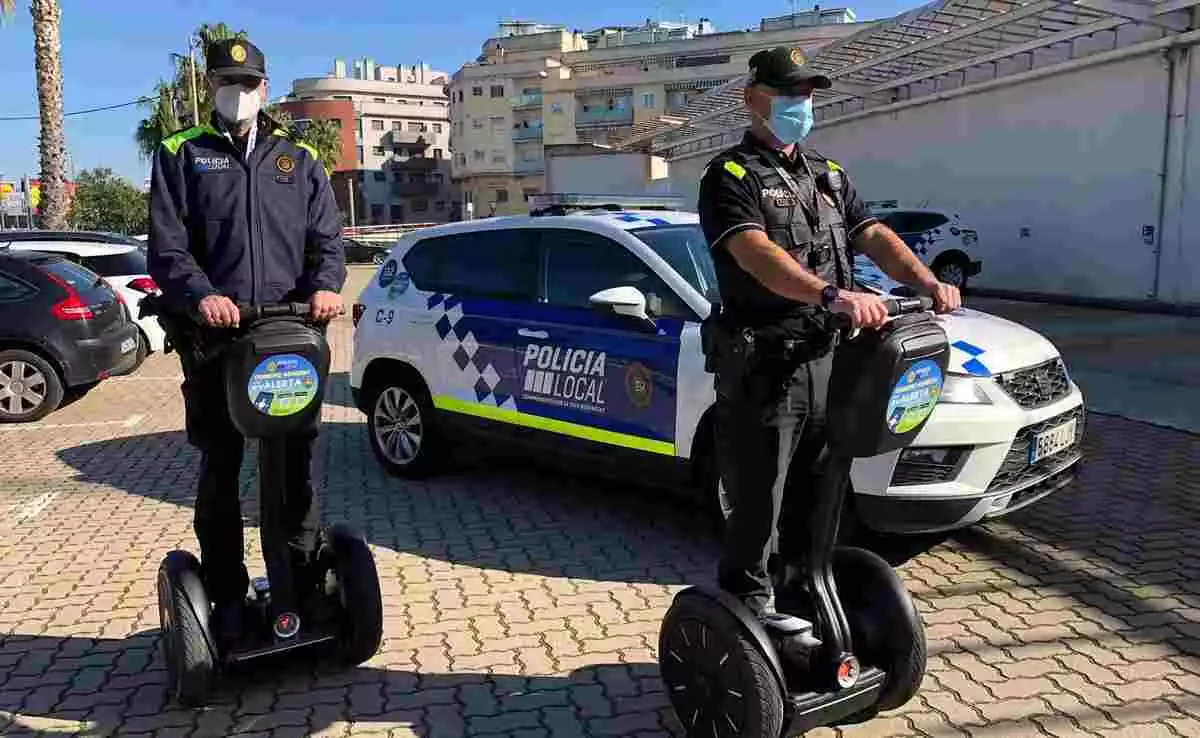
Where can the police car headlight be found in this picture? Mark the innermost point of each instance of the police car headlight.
(957, 390)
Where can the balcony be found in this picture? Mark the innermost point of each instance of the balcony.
(531, 100)
(415, 162)
(532, 133)
(529, 167)
(415, 189)
(604, 116)
(410, 138)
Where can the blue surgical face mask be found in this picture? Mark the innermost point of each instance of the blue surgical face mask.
(791, 118)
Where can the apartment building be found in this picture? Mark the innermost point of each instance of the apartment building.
(395, 164)
(536, 84)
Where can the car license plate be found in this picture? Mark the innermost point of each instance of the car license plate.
(129, 344)
(1049, 442)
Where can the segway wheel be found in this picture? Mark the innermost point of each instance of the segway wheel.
(884, 623)
(718, 682)
(358, 591)
(183, 611)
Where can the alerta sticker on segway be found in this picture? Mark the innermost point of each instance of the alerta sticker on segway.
(283, 385)
(914, 396)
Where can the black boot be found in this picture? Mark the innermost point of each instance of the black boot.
(229, 623)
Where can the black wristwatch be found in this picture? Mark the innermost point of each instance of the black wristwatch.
(829, 295)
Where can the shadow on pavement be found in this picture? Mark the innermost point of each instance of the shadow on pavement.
(60, 686)
(486, 510)
(1119, 540)
(337, 391)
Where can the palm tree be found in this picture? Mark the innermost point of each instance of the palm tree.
(173, 99)
(48, 66)
(326, 137)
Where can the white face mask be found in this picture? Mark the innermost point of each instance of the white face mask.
(237, 104)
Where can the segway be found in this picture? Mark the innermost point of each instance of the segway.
(844, 641)
(274, 376)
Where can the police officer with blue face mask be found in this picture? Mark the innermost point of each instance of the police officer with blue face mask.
(782, 222)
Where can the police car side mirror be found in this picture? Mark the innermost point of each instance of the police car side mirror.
(623, 301)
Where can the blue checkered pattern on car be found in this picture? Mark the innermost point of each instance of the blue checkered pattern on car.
(458, 336)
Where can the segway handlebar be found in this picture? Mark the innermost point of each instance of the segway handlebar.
(895, 306)
(248, 313)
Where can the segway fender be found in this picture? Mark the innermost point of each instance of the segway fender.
(752, 627)
(179, 565)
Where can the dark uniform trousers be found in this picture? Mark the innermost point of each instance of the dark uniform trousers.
(772, 453)
(288, 516)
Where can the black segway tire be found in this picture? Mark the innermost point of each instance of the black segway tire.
(183, 611)
(361, 611)
(884, 623)
(717, 681)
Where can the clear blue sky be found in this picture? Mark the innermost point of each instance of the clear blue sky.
(111, 55)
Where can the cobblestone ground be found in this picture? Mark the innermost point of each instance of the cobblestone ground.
(526, 602)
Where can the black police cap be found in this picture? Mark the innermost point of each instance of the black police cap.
(236, 58)
(782, 68)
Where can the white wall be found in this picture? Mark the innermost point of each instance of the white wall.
(1075, 157)
(602, 174)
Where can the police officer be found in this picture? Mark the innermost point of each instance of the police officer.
(781, 221)
(240, 212)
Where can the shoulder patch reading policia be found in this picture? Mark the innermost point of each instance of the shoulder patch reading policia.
(735, 169)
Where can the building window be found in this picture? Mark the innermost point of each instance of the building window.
(501, 195)
(437, 127)
(437, 154)
(435, 177)
(381, 99)
(380, 177)
(376, 125)
(476, 92)
(360, 154)
(497, 90)
(460, 95)
(477, 123)
(498, 158)
(420, 206)
(439, 205)
(416, 127)
(397, 125)
(377, 151)
(397, 213)
(648, 100)
(376, 213)
(342, 97)
(477, 155)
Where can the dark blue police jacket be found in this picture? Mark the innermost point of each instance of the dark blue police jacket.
(258, 231)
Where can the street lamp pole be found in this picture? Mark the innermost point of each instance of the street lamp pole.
(195, 98)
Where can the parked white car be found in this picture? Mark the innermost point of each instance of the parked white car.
(937, 237)
(577, 333)
(121, 260)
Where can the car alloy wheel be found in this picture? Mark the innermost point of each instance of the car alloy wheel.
(398, 425)
(22, 387)
(952, 273)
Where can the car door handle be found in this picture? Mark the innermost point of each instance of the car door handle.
(532, 334)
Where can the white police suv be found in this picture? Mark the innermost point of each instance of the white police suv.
(575, 330)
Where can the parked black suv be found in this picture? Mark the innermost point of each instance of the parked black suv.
(62, 327)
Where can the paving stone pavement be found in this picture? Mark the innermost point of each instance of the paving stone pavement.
(525, 601)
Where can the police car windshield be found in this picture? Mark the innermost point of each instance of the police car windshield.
(686, 250)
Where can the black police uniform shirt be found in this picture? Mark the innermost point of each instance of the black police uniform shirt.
(260, 228)
(733, 199)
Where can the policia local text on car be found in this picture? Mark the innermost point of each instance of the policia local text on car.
(782, 221)
(239, 213)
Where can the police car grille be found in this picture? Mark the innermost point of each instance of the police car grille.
(1037, 386)
(1016, 470)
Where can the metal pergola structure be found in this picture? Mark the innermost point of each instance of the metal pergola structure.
(938, 41)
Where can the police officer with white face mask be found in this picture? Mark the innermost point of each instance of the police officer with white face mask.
(240, 212)
(782, 221)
